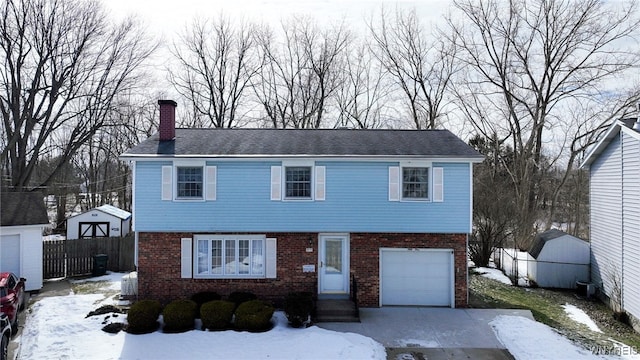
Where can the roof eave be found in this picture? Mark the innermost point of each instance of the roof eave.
(137, 157)
(613, 131)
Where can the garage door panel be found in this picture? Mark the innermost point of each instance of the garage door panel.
(416, 277)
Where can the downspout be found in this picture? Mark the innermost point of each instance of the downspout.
(466, 253)
(133, 212)
(466, 269)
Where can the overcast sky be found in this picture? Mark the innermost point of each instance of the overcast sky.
(163, 16)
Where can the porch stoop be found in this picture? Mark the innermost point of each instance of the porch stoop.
(336, 310)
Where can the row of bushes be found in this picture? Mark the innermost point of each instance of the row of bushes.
(241, 311)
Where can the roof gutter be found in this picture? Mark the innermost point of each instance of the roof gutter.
(158, 157)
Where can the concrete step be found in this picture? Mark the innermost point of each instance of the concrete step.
(336, 311)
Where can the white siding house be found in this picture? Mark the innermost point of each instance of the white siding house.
(24, 218)
(559, 260)
(614, 165)
(103, 221)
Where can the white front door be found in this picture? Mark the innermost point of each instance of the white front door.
(333, 275)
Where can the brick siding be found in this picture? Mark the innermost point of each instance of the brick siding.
(159, 266)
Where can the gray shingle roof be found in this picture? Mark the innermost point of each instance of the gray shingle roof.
(317, 142)
(542, 238)
(22, 208)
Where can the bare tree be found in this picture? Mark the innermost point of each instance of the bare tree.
(106, 180)
(299, 73)
(421, 65)
(63, 63)
(493, 200)
(216, 62)
(363, 95)
(527, 64)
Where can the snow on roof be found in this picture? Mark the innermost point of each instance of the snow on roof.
(117, 212)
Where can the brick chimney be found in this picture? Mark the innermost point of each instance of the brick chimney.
(167, 119)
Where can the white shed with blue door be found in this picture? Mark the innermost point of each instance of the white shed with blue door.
(103, 221)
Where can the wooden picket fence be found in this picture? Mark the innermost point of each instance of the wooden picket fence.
(66, 258)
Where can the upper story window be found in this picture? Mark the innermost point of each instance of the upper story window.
(189, 182)
(415, 183)
(298, 182)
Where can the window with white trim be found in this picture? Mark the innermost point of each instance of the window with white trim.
(298, 182)
(415, 183)
(189, 181)
(229, 256)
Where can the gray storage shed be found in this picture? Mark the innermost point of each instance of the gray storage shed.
(559, 260)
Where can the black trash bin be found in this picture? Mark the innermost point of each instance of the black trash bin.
(99, 264)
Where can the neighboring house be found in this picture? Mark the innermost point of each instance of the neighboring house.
(103, 221)
(279, 210)
(558, 260)
(23, 220)
(614, 166)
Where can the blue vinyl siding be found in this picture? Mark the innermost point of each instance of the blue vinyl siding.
(356, 201)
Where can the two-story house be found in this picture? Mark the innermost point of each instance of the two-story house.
(279, 210)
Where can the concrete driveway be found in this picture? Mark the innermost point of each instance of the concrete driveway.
(433, 333)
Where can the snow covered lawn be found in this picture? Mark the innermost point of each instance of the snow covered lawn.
(56, 328)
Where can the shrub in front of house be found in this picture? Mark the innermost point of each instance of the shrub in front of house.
(203, 297)
(217, 314)
(142, 317)
(238, 297)
(179, 316)
(254, 315)
(298, 307)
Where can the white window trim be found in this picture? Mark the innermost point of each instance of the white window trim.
(265, 264)
(174, 185)
(416, 164)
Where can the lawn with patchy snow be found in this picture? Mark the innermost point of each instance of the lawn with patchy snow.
(578, 315)
(530, 340)
(495, 274)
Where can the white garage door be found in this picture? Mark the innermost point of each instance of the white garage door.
(10, 253)
(416, 277)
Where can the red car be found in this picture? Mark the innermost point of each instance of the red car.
(11, 296)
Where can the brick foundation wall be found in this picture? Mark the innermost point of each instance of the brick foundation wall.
(159, 266)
